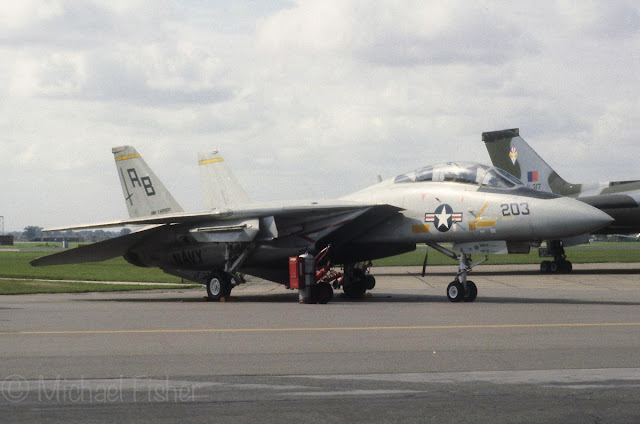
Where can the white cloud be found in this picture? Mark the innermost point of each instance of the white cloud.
(304, 99)
(399, 34)
(18, 15)
(614, 19)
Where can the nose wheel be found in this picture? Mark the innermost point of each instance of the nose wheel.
(471, 292)
(460, 289)
(456, 292)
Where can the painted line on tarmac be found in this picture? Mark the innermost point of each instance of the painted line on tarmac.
(323, 329)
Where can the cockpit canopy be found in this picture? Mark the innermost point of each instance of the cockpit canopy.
(461, 172)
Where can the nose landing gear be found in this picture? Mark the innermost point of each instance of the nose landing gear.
(460, 289)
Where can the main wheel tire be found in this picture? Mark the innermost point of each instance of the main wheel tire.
(544, 267)
(471, 293)
(455, 291)
(218, 286)
(323, 293)
(569, 267)
(369, 282)
(564, 267)
(355, 290)
(554, 267)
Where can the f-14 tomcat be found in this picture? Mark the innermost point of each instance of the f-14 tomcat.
(481, 209)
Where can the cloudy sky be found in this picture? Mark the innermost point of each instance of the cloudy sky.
(305, 99)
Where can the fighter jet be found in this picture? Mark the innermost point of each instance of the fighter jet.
(619, 199)
(481, 209)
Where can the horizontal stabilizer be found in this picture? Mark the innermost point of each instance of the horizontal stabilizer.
(96, 252)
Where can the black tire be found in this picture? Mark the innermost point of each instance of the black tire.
(544, 267)
(354, 291)
(358, 274)
(471, 293)
(564, 267)
(218, 286)
(369, 282)
(554, 267)
(455, 291)
(568, 267)
(323, 293)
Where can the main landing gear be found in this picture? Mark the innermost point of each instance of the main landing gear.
(219, 286)
(356, 280)
(220, 282)
(560, 264)
(557, 266)
(460, 289)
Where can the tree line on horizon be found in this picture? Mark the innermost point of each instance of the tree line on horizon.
(34, 233)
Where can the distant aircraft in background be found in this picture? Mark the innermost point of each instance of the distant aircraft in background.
(481, 209)
(619, 199)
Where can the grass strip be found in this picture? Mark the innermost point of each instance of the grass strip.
(13, 287)
(577, 255)
(16, 265)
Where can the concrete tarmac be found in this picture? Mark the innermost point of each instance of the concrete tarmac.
(532, 348)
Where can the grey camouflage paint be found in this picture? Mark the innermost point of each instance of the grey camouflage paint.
(619, 199)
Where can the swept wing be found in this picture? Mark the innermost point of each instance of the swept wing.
(310, 221)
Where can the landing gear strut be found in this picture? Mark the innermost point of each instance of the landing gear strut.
(560, 264)
(460, 289)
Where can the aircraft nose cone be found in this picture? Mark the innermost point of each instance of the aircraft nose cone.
(595, 218)
(573, 218)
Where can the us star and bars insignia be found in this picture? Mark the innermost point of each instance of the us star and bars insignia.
(443, 217)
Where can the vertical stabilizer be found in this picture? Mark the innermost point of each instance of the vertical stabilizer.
(510, 152)
(221, 188)
(144, 193)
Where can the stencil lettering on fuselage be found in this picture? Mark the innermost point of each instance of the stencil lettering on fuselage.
(187, 257)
